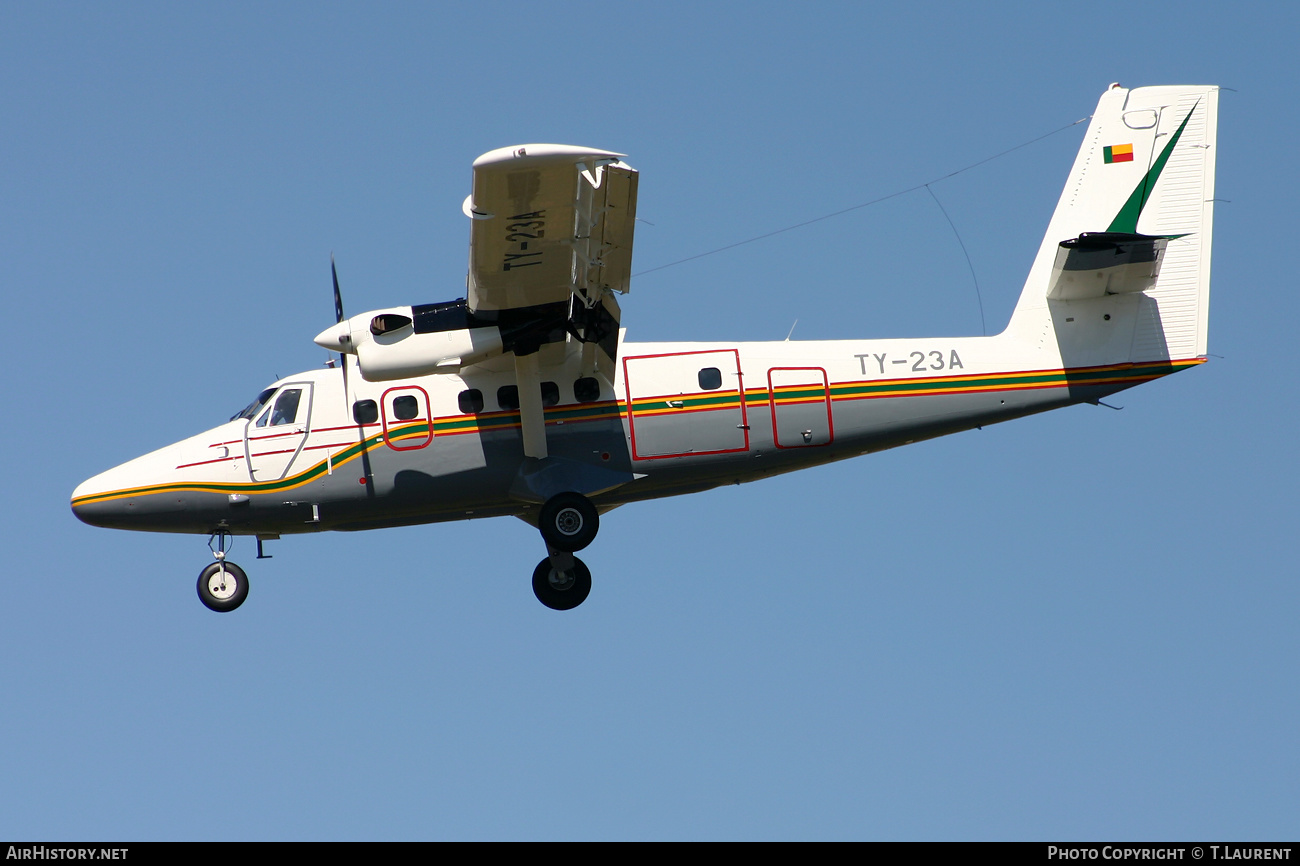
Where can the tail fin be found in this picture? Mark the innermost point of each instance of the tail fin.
(1123, 274)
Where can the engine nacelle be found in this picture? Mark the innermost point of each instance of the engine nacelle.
(403, 341)
(403, 353)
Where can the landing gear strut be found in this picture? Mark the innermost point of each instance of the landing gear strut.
(223, 586)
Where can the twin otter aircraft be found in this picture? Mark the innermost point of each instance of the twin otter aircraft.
(523, 399)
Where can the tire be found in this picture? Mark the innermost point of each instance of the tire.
(569, 522)
(222, 593)
(563, 590)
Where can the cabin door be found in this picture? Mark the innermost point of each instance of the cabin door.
(686, 403)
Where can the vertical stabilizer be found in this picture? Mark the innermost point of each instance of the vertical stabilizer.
(1123, 273)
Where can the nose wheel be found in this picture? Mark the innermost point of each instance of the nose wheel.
(223, 586)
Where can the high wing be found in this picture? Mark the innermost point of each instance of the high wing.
(550, 220)
(552, 241)
(550, 245)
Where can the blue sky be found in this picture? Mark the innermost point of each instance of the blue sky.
(1074, 626)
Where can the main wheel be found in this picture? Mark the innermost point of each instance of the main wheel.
(223, 586)
(561, 590)
(569, 522)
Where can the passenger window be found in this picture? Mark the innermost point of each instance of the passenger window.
(586, 390)
(508, 397)
(550, 394)
(710, 379)
(471, 401)
(406, 407)
(365, 411)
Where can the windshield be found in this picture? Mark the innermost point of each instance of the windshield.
(252, 408)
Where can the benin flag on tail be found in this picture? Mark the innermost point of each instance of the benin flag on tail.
(1117, 153)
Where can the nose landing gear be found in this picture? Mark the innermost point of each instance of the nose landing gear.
(223, 586)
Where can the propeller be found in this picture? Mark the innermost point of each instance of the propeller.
(346, 338)
(338, 296)
(338, 319)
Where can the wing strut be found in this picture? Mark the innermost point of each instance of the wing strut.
(532, 417)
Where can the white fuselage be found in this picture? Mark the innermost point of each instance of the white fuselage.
(681, 417)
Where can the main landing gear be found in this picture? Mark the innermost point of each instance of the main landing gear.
(568, 522)
(223, 586)
(561, 588)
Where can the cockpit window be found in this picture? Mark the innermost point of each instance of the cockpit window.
(251, 410)
(285, 409)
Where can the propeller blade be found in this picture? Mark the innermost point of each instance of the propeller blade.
(338, 317)
(338, 296)
(346, 399)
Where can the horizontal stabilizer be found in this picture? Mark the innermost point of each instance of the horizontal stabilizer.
(1106, 263)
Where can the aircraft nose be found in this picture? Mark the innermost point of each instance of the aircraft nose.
(177, 488)
(117, 498)
(93, 501)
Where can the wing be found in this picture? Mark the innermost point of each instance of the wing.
(550, 246)
(550, 221)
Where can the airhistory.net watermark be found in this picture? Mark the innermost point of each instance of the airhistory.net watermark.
(41, 852)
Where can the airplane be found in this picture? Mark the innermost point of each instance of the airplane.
(523, 398)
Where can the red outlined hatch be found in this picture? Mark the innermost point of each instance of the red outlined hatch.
(686, 403)
(801, 407)
(405, 413)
